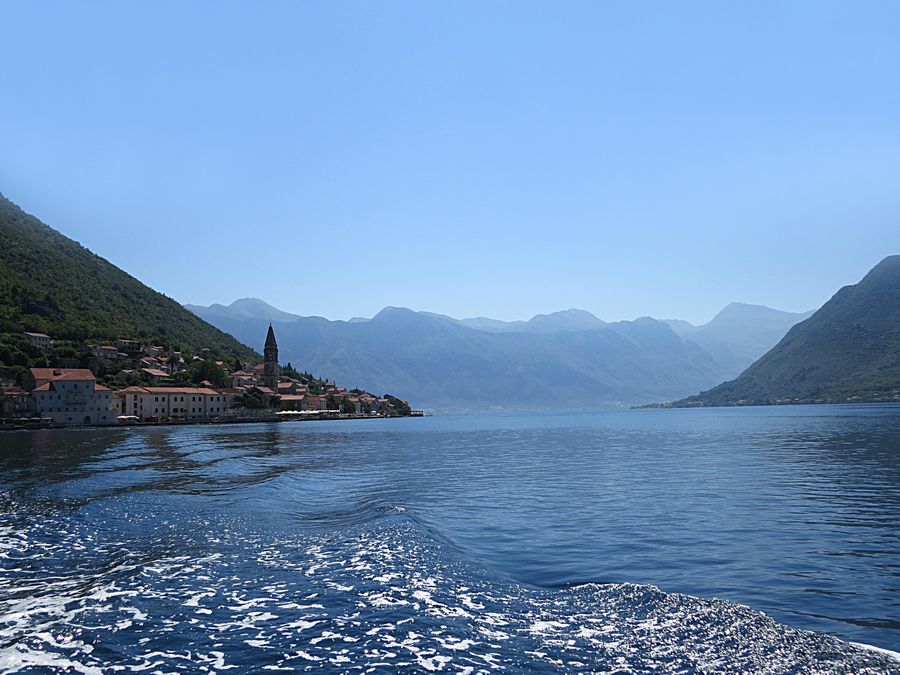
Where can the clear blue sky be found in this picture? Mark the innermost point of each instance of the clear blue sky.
(470, 158)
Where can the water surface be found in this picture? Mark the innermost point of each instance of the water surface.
(677, 540)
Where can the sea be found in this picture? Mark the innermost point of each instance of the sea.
(715, 540)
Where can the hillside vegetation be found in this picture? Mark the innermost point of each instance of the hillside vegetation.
(51, 284)
(849, 350)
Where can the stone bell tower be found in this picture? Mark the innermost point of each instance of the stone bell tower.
(271, 370)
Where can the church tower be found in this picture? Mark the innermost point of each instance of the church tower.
(271, 371)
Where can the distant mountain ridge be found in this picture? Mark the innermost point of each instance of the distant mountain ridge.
(248, 308)
(740, 333)
(568, 359)
(847, 350)
(565, 320)
(441, 364)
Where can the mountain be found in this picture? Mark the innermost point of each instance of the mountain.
(739, 334)
(566, 320)
(440, 362)
(245, 308)
(847, 350)
(51, 284)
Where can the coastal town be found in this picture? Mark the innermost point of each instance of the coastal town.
(127, 382)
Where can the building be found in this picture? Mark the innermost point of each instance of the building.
(129, 346)
(15, 403)
(292, 402)
(263, 391)
(104, 352)
(271, 370)
(69, 396)
(38, 339)
(312, 402)
(154, 375)
(163, 402)
(291, 387)
(241, 378)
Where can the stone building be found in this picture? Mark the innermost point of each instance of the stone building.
(70, 396)
(165, 402)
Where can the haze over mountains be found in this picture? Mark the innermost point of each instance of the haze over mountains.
(740, 334)
(569, 319)
(847, 350)
(563, 360)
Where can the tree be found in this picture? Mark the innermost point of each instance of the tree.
(209, 370)
(251, 400)
(397, 406)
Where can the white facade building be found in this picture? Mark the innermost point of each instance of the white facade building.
(70, 396)
(38, 339)
(160, 402)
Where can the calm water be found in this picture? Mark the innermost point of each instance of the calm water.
(672, 540)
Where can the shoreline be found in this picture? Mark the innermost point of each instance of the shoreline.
(200, 422)
(761, 404)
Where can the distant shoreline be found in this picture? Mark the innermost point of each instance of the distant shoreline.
(198, 422)
(673, 406)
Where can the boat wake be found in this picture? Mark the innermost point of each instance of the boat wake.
(201, 596)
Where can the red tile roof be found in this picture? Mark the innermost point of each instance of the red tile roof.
(64, 374)
(48, 386)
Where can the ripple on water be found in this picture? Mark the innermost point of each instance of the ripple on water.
(378, 595)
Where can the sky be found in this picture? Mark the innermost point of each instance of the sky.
(497, 159)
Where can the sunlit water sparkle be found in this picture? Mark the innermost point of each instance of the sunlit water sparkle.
(610, 542)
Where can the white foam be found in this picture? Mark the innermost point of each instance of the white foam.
(880, 650)
(14, 659)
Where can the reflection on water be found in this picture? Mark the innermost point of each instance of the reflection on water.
(408, 525)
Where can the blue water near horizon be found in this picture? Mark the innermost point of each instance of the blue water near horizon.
(763, 539)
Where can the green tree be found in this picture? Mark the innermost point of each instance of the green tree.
(209, 370)
(251, 400)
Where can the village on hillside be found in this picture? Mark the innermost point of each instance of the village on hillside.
(127, 382)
